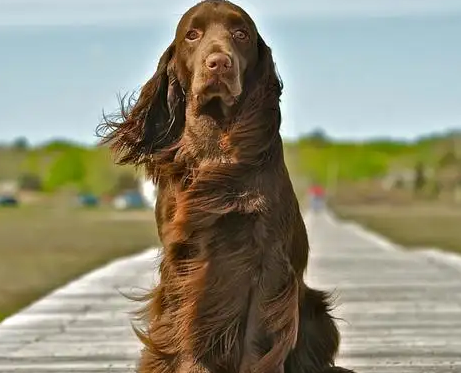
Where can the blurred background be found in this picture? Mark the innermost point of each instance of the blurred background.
(371, 123)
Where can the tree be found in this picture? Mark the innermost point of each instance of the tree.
(30, 182)
(20, 144)
(420, 177)
(67, 169)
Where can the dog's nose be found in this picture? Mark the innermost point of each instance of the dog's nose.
(218, 63)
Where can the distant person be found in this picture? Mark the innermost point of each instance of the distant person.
(317, 197)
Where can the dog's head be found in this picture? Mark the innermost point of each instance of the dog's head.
(216, 43)
(216, 62)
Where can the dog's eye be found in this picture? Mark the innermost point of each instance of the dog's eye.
(240, 34)
(192, 35)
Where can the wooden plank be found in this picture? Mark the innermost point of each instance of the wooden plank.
(401, 310)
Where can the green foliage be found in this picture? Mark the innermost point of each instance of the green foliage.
(30, 182)
(60, 146)
(342, 161)
(449, 158)
(62, 164)
(325, 160)
(420, 177)
(101, 173)
(67, 169)
(21, 144)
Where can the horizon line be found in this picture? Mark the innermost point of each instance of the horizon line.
(452, 131)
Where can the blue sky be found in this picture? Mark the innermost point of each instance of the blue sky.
(356, 68)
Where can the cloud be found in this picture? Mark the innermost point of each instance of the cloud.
(75, 12)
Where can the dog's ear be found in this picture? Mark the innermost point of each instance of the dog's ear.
(151, 123)
(268, 78)
(259, 115)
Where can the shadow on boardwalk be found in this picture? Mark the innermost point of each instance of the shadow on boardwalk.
(401, 310)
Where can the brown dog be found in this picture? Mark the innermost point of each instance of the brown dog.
(206, 128)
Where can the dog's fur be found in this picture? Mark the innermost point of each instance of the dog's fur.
(206, 129)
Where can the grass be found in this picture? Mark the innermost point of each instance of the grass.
(414, 226)
(44, 248)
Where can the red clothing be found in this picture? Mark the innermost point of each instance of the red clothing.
(317, 190)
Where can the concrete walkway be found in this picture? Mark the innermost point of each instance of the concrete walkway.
(401, 310)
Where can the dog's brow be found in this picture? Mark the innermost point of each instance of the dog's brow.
(231, 19)
(199, 21)
(234, 19)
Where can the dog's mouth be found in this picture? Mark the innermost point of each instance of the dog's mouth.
(218, 88)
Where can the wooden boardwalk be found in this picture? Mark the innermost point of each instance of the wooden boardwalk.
(401, 310)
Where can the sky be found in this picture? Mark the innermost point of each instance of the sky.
(356, 69)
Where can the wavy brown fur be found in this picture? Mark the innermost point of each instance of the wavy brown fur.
(231, 297)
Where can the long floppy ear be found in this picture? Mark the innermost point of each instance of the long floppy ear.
(151, 123)
(267, 77)
(259, 116)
